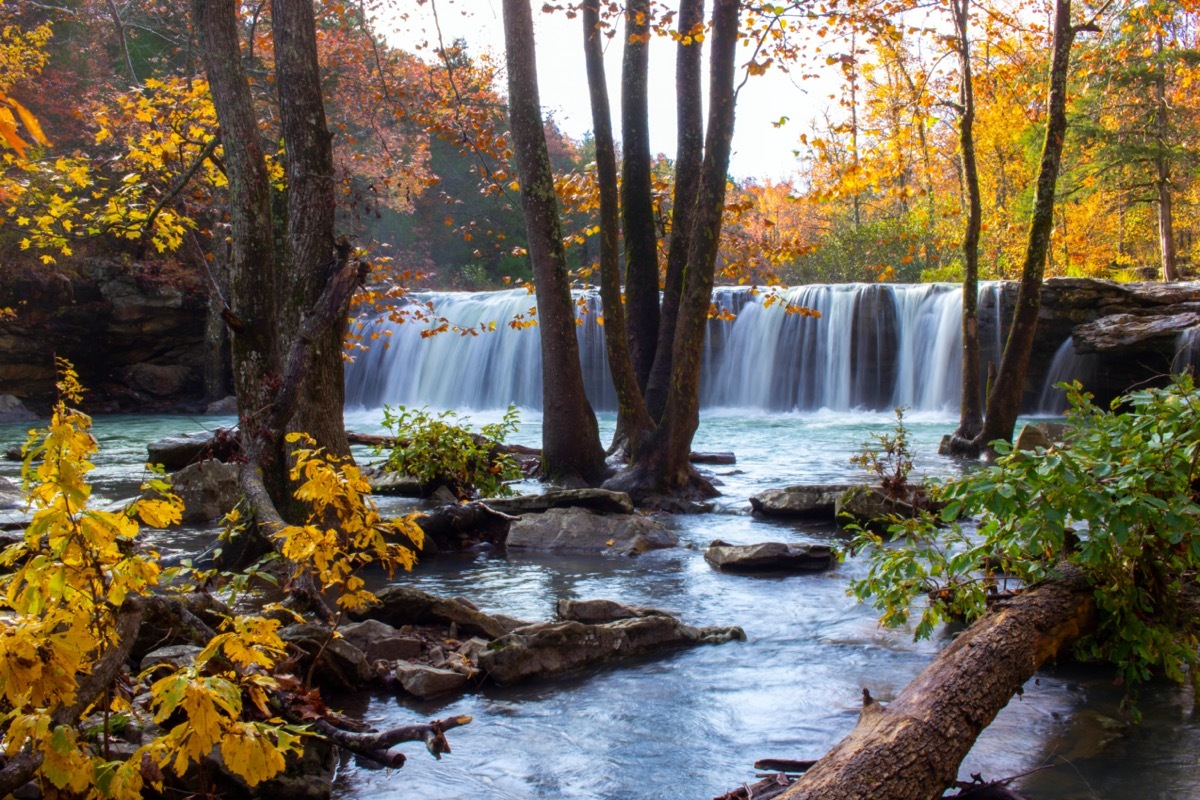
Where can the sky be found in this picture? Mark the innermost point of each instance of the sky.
(760, 149)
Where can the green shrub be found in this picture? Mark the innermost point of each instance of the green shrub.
(439, 450)
(1119, 500)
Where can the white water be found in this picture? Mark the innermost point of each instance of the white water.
(874, 346)
(1067, 366)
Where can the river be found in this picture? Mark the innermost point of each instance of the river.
(691, 724)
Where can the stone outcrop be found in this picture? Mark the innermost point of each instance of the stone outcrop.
(817, 500)
(581, 530)
(134, 333)
(550, 648)
(770, 557)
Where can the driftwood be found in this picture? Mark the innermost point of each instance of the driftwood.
(911, 749)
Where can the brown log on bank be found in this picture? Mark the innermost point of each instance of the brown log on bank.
(911, 750)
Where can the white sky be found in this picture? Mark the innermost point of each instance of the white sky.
(759, 149)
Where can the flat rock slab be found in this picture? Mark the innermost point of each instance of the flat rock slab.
(402, 605)
(176, 452)
(817, 500)
(422, 680)
(600, 500)
(712, 458)
(770, 557)
(551, 648)
(581, 530)
(592, 612)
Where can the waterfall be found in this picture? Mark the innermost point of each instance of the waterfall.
(1066, 366)
(1187, 351)
(874, 346)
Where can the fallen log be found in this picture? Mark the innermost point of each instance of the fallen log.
(911, 749)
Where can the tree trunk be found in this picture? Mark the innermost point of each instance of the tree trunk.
(970, 421)
(637, 202)
(1004, 400)
(253, 308)
(689, 156)
(311, 258)
(1166, 223)
(633, 422)
(570, 437)
(667, 457)
(911, 749)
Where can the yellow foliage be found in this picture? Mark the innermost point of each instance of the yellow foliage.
(335, 490)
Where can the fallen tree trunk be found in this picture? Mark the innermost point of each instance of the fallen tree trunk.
(911, 749)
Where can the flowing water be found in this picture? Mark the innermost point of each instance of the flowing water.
(794, 397)
(691, 724)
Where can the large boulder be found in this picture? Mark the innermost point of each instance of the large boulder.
(13, 410)
(1039, 434)
(422, 680)
(380, 641)
(403, 605)
(160, 380)
(553, 647)
(600, 500)
(581, 530)
(209, 490)
(818, 500)
(340, 665)
(770, 556)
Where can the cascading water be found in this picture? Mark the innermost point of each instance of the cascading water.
(1187, 351)
(874, 346)
(1067, 366)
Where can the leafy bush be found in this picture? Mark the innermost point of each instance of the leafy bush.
(439, 450)
(1119, 501)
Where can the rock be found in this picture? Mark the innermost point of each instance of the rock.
(225, 407)
(10, 494)
(156, 379)
(425, 681)
(341, 666)
(308, 776)
(209, 490)
(580, 530)
(554, 647)
(13, 410)
(818, 500)
(597, 611)
(1124, 331)
(177, 655)
(673, 504)
(600, 500)
(509, 623)
(442, 496)
(712, 458)
(769, 556)
(1040, 434)
(176, 452)
(402, 605)
(378, 641)
(870, 506)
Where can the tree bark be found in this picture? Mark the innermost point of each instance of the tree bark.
(689, 157)
(911, 749)
(570, 437)
(970, 421)
(1004, 400)
(633, 421)
(637, 201)
(1166, 222)
(312, 262)
(666, 459)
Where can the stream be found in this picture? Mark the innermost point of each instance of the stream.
(690, 725)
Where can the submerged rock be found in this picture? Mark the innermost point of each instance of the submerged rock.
(768, 556)
(580, 530)
(818, 500)
(553, 647)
